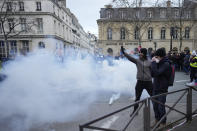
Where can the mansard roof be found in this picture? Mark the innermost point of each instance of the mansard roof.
(119, 14)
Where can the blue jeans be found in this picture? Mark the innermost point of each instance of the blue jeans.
(159, 109)
(186, 69)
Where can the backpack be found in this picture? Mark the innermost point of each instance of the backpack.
(172, 75)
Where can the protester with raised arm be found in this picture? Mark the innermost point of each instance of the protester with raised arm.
(144, 79)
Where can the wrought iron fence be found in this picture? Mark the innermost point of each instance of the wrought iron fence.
(146, 112)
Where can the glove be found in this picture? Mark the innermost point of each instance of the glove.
(122, 49)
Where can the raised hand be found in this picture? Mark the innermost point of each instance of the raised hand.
(122, 49)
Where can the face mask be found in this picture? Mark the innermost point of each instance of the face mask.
(157, 60)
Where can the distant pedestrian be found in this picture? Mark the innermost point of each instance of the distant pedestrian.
(182, 55)
(144, 79)
(2, 76)
(193, 70)
(161, 72)
(186, 62)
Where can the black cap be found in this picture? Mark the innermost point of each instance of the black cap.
(143, 51)
(160, 52)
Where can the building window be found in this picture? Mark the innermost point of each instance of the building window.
(9, 6)
(2, 49)
(23, 24)
(150, 33)
(149, 14)
(40, 25)
(136, 33)
(13, 48)
(137, 14)
(54, 9)
(70, 35)
(67, 38)
(25, 46)
(162, 13)
(109, 14)
(174, 32)
(11, 25)
(188, 14)
(187, 32)
(41, 45)
(59, 33)
(122, 33)
(55, 27)
(63, 31)
(176, 13)
(122, 14)
(109, 34)
(66, 19)
(21, 6)
(163, 33)
(1, 29)
(38, 6)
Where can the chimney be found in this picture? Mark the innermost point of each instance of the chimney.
(168, 3)
(108, 6)
(63, 2)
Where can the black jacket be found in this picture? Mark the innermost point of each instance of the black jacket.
(160, 73)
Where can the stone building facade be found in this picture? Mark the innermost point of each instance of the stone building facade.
(150, 27)
(39, 24)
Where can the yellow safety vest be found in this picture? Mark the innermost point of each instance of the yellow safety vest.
(194, 64)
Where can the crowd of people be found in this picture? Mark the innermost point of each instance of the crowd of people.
(187, 62)
(154, 73)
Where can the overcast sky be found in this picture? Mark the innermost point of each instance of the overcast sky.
(87, 12)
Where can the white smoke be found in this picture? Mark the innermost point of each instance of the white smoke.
(41, 89)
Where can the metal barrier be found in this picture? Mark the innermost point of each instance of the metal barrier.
(146, 112)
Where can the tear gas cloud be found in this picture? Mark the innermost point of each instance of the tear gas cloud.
(42, 89)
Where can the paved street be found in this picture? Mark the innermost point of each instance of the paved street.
(118, 121)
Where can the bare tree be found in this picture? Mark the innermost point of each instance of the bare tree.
(184, 20)
(140, 20)
(12, 23)
(180, 20)
(179, 16)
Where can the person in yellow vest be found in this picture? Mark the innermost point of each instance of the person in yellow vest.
(193, 70)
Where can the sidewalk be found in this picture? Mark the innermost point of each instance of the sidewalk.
(190, 126)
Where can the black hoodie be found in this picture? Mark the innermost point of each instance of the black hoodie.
(161, 72)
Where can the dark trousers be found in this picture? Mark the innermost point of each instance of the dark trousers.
(159, 109)
(193, 72)
(140, 86)
(186, 68)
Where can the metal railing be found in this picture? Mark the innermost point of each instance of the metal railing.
(146, 112)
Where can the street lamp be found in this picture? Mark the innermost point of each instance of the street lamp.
(155, 44)
(171, 35)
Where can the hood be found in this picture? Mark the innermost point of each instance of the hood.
(165, 59)
(193, 53)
